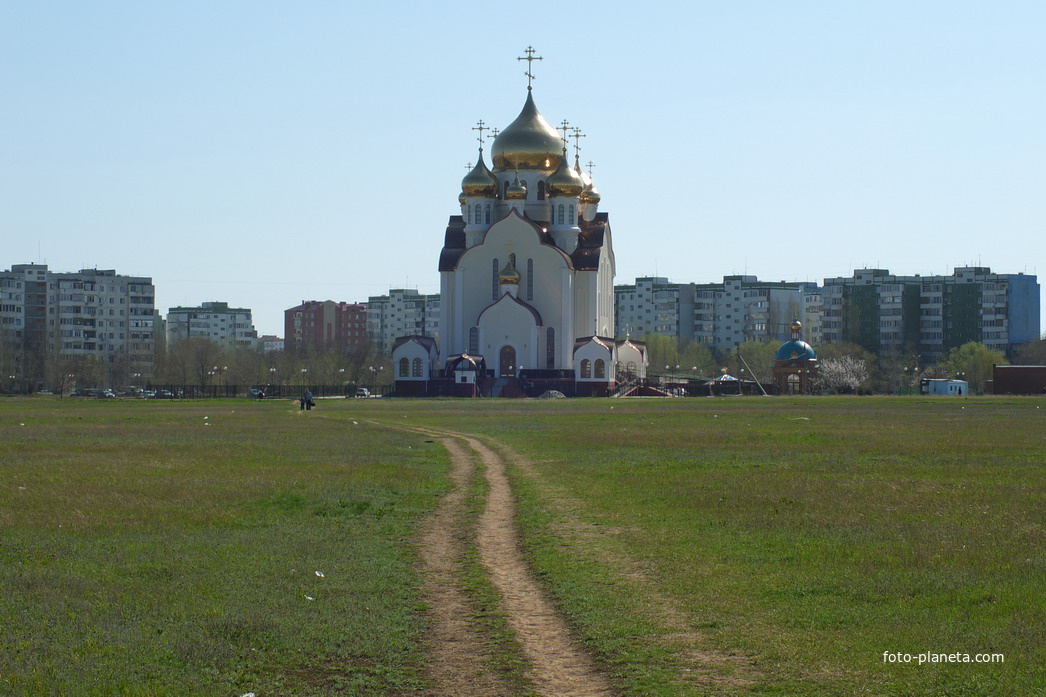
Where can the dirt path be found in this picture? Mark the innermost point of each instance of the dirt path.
(560, 668)
(457, 665)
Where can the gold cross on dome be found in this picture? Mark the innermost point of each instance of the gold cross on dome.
(564, 126)
(480, 127)
(529, 58)
(494, 132)
(577, 135)
(590, 166)
(469, 166)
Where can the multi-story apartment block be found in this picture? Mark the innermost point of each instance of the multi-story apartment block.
(320, 325)
(930, 315)
(720, 315)
(270, 343)
(228, 326)
(403, 312)
(93, 313)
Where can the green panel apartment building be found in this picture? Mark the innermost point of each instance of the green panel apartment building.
(930, 315)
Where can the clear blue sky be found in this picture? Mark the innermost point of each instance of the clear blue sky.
(262, 153)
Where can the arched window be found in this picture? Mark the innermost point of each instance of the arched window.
(586, 368)
(541, 191)
(468, 216)
(404, 367)
(530, 279)
(561, 214)
(488, 214)
(474, 341)
(573, 215)
(504, 191)
(630, 369)
(419, 368)
(550, 348)
(601, 368)
(494, 280)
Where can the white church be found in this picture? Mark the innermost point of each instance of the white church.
(526, 280)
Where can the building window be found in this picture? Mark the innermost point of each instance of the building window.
(541, 191)
(530, 279)
(573, 214)
(488, 214)
(504, 191)
(494, 280)
(404, 367)
(550, 348)
(419, 368)
(474, 341)
(601, 368)
(562, 214)
(586, 368)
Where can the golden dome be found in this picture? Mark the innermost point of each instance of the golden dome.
(565, 181)
(529, 142)
(797, 325)
(480, 181)
(509, 273)
(517, 190)
(590, 194)
(462, 198)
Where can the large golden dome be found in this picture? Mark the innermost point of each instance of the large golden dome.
(480, 181)
(565, 181)
(529, 142)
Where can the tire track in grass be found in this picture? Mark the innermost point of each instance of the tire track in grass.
(458, 655)
(560, 667)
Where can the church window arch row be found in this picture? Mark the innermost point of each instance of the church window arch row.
(586, 368)
(419, 368)
(404, 367)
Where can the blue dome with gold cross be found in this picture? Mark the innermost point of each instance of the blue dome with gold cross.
(795, 349)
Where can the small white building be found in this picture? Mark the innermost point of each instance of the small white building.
(940, 386)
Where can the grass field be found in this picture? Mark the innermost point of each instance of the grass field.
(792, 542)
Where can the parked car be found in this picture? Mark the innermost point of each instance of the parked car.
(363, 392)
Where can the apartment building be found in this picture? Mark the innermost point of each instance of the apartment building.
(719, 315)
(232, 327)
(930, 315)
(320, 325)
(92, 313)
(403, 312)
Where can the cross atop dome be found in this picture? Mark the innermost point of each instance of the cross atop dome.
(480, 126)
(529, 58)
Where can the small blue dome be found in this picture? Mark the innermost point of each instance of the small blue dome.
(796, 349)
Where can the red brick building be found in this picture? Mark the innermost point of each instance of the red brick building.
(323, 324)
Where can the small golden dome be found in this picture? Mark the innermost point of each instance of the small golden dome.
(529, 142)
(517, 191)
(480, 182)
(590, 194)
(509, 273)
(797, 326)
(565, 181)
(462, 198)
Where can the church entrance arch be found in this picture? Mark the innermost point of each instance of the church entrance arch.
(507, 362)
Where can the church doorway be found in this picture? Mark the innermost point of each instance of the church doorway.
(508, 362)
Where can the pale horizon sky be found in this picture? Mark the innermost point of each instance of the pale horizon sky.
(263, 153)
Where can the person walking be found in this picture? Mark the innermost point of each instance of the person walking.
(307, 402)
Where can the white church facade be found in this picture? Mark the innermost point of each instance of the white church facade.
(526, 278)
